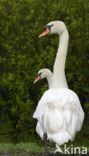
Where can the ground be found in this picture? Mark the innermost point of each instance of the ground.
(40, 154)
(27, 149)
(35, 147)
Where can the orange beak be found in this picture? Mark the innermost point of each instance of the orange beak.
(37, 79)
(44, 33)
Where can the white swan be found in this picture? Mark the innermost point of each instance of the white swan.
(57, 79)
(59, 112)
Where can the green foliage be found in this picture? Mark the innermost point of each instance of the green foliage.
(22, 54)
(24, 148)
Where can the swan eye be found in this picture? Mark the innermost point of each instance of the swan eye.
(49, 26)
(39, 74)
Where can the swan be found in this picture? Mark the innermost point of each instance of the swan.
(59, 112)
(58, 78)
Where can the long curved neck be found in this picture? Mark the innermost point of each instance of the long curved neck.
(59, 78)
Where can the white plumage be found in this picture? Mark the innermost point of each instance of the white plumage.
(59, 112)
(60, 115)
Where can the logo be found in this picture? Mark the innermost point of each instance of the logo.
(71, 150)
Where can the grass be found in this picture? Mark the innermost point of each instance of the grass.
(20, 148)
(26, 148)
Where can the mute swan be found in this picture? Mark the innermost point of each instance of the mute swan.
(59, 112)
(44, 73)
(58, 79)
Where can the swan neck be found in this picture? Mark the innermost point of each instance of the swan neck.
(59, 65)
(62, 48)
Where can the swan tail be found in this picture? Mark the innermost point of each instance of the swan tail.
(60, 137)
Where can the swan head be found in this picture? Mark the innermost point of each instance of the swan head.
(43, 73)
(54, 27)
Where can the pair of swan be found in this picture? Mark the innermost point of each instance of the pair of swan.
(59, 112)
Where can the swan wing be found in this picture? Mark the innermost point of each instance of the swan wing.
(60, 115)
